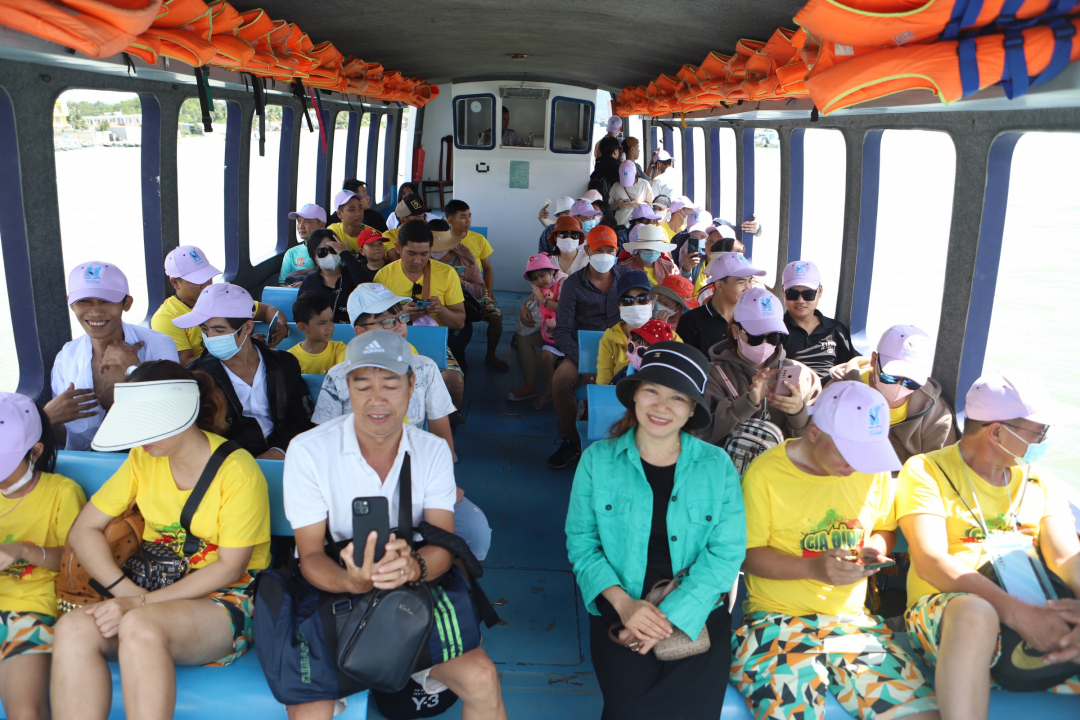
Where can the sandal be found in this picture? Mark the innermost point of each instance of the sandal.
(542, 401)
(522, 393)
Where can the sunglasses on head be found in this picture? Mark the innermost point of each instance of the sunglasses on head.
(388, 323)
(773, 338)
(794, 294)
(324, 251)
(906, 383)
(631, 300)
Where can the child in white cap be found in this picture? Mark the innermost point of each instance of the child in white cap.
(98, 295)
(920, 418)
(37, 508)
(819, 517)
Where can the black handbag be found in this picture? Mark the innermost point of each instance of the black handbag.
(382, 636)
(157, 565)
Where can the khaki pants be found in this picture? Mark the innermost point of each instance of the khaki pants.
(563, 384)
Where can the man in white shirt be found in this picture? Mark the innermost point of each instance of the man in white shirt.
(98, 295)
(361, 455)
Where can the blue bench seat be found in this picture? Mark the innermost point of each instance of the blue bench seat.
(428, 341)
(238, 691)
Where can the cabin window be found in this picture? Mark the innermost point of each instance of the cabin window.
(633, 127)
(726, 172)
(474, 122)
(307, 170)
(823, 184)
(571, 126)
(263, 189)
(1030, 325)
(381, 190)
(99, 188)
(405, 146)
(200, 181)
(698, 185)
(344, 130)
(915, 195)
(766, 202)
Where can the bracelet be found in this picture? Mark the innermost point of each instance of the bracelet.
(423, 565)
(116, 582)
(44, 555)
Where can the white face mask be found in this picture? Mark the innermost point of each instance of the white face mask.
(21, 482)
(602, 262)
(636, 315)
(567, 245)
(756, 354)
(438, 256)
(327, 263)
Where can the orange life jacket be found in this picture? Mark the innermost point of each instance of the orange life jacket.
(891, 23)
(97, 28)
(952, 69)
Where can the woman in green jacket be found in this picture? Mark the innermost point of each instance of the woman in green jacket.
(646, 504)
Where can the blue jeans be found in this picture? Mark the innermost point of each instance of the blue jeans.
(471, 525)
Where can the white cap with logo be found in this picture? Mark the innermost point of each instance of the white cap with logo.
(856, 417)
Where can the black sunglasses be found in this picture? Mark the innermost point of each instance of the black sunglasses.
(417, 290)
(906, 383)
(773, 338)
(632, 300)
(324, 251)
(794, 294)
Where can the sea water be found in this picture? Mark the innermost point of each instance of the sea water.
(1033, 328)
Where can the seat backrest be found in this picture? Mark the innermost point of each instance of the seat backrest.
(282, 298)
(295, 337)
(314, 385)
(604, 410)
(430, 342)
(344, 333)
(479, 229)
(91, 469)
(588, 350)
(446, 174)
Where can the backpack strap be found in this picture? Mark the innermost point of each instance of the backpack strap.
(224, 450)
(724, 377)
(405, 526)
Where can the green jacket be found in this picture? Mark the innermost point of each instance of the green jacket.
(610, 516)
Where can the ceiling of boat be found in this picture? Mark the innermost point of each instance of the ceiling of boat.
(600, 43)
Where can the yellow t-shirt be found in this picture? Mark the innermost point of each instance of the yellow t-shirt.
(190, 339)
(391, 239)
(44, 518)
(234, 513)
(348, 240)
(479, 246)
(667, 231)
(333, 354)
(445, 283)
(611, 358)
(702, 280)
(922, 489)
(896, 415)
(799, 514)
(652, 276)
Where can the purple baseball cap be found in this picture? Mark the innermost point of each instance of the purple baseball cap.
(996, 398)
(187, 262)
(644, 211)
(856, 417)
(759, 312)
(614, 124)
(699, 221)
(20, 430)
(801, 273)
(223, 300)
(584, 208)
(97, 280)
(732, 264)
(907, 351)
(682, 202)
(311, 211)
(627, 173)
(342, 197)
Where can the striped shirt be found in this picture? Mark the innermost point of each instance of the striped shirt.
(583, 306)
(827, 346)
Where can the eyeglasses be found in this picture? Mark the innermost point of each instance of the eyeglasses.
(388, 323)
(906, 383)
(773, 338)
(632, 300)
(794, 294)
(324, 251)
(1041, 436)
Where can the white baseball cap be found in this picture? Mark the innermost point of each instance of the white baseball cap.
(223, 300)
(20, 430)
(996, 398)
(907, 351)
(311, 211)
(801, 273)
(564, 204)
(759, 312)
(188, 262)
(371, 298)
(856, 417)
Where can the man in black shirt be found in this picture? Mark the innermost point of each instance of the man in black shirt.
(707, 325)
(813, 339)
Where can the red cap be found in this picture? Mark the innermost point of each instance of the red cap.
(654, 331)
(602, 236)
(369, 235)
(682, 287)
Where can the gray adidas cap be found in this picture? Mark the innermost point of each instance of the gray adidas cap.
(378, 348)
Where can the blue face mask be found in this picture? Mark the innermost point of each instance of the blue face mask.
(589, 224)
(1034, 452)
(223, 347)
(649, 256)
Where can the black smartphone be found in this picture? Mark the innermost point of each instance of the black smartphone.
(370, 513)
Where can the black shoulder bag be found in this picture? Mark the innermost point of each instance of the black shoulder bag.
(380, 642)
(157, 565)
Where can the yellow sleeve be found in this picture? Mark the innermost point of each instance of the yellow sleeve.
(758, 506)
(338, 350)
(302, 357)
(383, 275)
(163, 323)
(700, 283)
(244, 519)
(675, 336)
(69, 502)
(917, 489)
(886, 519)
(454, 294)
(605, 359)
(116, 494)
(1055, 502)
(485, 247)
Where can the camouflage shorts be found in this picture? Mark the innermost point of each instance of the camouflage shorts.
(25, 633)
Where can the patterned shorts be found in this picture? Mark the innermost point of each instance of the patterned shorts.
(784, 665)
(452, 362)
(924, 628)
(25, 633)
(490, 307)
(237, 601)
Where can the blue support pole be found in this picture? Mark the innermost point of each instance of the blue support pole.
(321, 186)
(284, 174)
(868, 213)
(714, 172)
(795, 197)
(350, 145)
(688, 163)
(231, 207)
(150, 172)
(747, 191)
